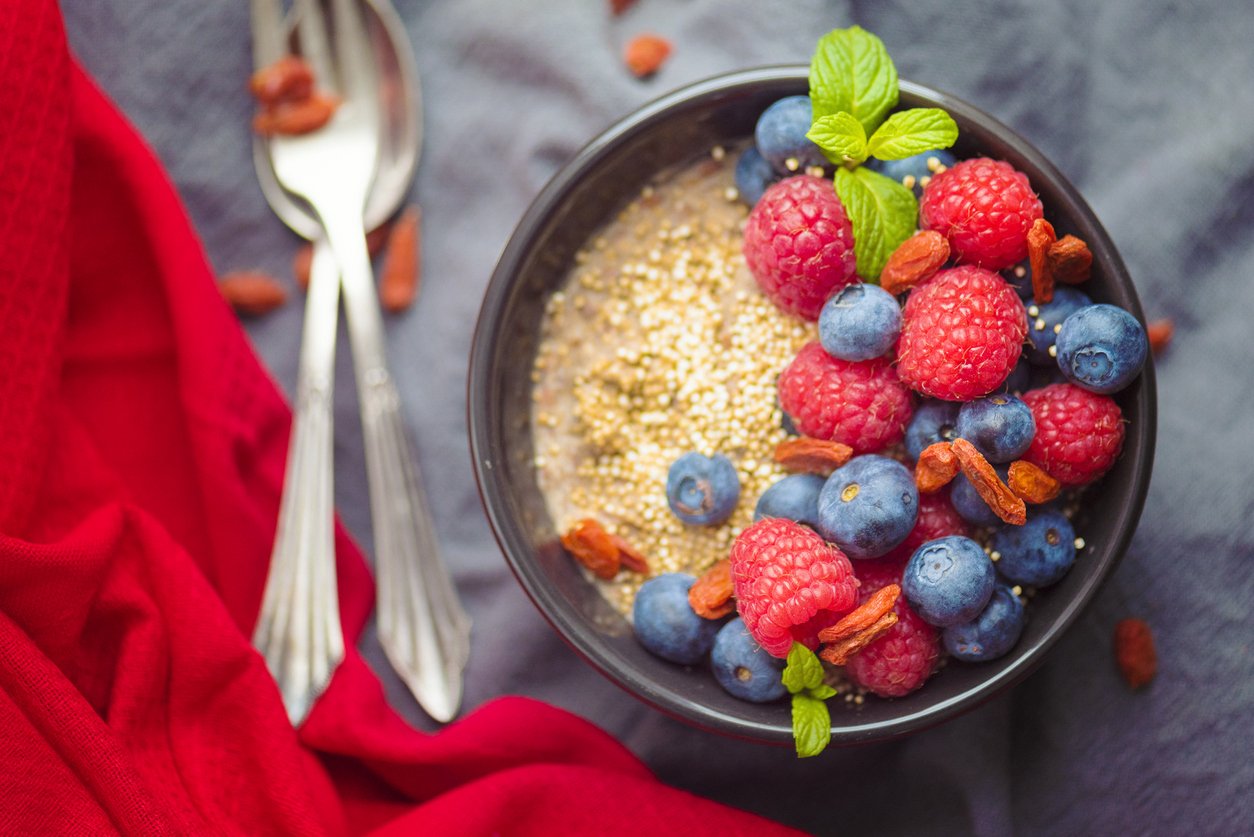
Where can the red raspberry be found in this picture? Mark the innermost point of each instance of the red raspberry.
(789, 583)
(799, 244)
(937, 519)
(858, 403)
(961, 334)
(1078, 433)
(985, 208)
(903, 658)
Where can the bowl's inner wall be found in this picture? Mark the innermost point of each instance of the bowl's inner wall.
(610, 172)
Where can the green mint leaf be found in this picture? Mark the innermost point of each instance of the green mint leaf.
(913, 131)
(840, 137)
(883, 214)
(821, 692)
(803, 671)
(851, 72)
(811, 725)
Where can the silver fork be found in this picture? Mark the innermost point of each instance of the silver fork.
(422, 627)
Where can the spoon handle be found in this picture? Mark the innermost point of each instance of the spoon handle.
(298, 628)
(423, 629)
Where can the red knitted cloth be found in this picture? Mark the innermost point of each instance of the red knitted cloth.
(141, 458)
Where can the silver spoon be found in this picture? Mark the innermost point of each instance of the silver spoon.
(422, 627)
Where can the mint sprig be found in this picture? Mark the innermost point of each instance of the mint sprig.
(811, 721)
(882, 213)
(853, 88)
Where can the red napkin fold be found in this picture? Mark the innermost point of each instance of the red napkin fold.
(141, 460)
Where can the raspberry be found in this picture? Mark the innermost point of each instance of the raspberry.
(985, 208)
(903, 658)
(1078, 433)
(799, 244)
(961, 334)
(859, 403)
(937, 518)
(790, 584)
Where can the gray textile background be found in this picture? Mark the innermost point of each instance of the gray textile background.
(1147, 106)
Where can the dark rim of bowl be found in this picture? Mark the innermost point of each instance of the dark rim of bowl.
(482, 415)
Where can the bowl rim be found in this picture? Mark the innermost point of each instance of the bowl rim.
(513, 543)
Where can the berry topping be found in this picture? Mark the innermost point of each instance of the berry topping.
(1039, 552)
(860, 322)
(1000, 426)
(753, 175)
(858, 403)
(743, 668)
(702, 490)
(1078, 433)
(868, 506)
(1045, 320)
(985, 208)
(799, 244)
(1101, 348)
(961, 335)
(991, 634)
(780, 136)
(902, 659)
(948, 581)
(937, 518)
(665, 623)
(790, 584)
(914, 172)
(933, 421)
(795, 497)
(968, 503)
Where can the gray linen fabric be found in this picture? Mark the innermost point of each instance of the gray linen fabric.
(1147, 106)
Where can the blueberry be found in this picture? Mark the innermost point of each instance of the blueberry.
(868, 506)
(795, 497)
(753, 175)
(1039, 552)
(743, 668)
(781, 135)
(1000, 426)
(932, 422)
(1019, 277)
(948, 581)
(969, 504)
(991, 634)
(1019, 380)
(665, 623)
(702, 490)
(914, 172)
(859, 323)
(1101, 348)
(1044, 324)
(787, 424)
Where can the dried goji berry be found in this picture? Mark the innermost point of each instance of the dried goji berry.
(1134, 652)
(937, 466)
(1069, 260)
(812, 456)
(645, 54)
(711, 595)
(1004, 502)
(296, 117)
(1031, 483)
(915, 259)
(252, 291)
(593, 547)
(1040, 237)
(290, 79)
(402, 266)
(1160, 333)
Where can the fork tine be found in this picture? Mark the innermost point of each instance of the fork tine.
(352, 50)
(267, 31)
(311, 26)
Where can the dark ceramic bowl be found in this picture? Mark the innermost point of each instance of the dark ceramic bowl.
(586, 193)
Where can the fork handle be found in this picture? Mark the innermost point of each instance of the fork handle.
(298, 629)
(422, 627)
